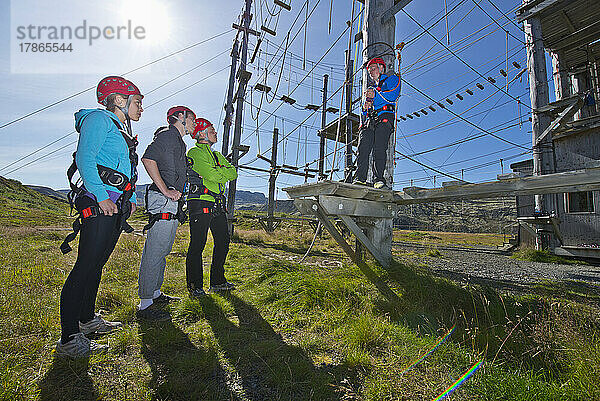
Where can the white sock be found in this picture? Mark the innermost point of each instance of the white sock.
(144, 303)
(157, 294)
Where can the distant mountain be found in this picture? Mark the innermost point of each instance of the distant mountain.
(248, 198)
(58, 195)
(281, 206)
(242, 198)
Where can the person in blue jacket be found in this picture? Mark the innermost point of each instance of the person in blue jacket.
(106, 161)
(378, 119)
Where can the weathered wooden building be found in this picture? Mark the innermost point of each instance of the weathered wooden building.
(566, 131)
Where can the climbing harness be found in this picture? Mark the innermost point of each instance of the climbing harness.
(196, 188)
(110, 177)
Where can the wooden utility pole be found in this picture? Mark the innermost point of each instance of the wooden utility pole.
(543, 152)
(272, 178)
(349, 136)
(322, 175)
(377, 29)
(229, 104)
(243, 77)
(560, 76)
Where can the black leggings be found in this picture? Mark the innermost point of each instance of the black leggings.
(97, 240)
(199, 225)
(374, 137)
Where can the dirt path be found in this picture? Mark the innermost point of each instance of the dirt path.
(505, 273)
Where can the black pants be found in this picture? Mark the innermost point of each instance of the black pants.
(199, 225)
(374, 137)
(97, 239)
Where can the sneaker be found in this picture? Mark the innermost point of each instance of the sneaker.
(197, 293)
(153, 313)
(99, 326)
(79, 347)
(358, 182)
(226, 286)
(165, 299)
(380, 185)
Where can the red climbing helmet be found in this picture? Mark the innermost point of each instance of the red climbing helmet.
(115, 84)
(179, 109)
(201, 125)
(376, 60)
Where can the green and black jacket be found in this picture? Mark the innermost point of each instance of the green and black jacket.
(212, 167)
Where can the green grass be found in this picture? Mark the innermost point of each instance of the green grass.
(313, 331)
(533, 255)
(449, 238)
(21, 206)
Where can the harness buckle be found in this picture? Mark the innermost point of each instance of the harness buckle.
(116, 180)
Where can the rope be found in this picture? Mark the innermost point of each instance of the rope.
(311, 243)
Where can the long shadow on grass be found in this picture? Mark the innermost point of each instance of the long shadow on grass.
(68, 379)
(485, 319)
(300, 250)
(269, 368)
(180, 370)
(578, 291)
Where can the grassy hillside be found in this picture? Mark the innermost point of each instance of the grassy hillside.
(20, 205)
(317, 330)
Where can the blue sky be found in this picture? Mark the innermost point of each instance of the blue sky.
(174, 25)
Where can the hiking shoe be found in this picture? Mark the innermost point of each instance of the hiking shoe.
(165, 299)
(99, 326)
(197, 293)
(153, 313)
(226, 286)
(380, 185)
(79, 347)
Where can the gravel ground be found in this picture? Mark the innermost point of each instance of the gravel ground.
(505, 273)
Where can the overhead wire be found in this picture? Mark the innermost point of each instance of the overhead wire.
(126, 73)
(496, 22)
(73, 142)
(322, 57)
(456, 55)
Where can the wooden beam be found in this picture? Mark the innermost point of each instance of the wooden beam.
(575, 251)
(338, 206)
(559, 104)
(241, 28)
(309, 206)
(567, 113)
(528, 12)
(585, 35)
(570, 181)
(528, 228)
(339, 189)
(392, 11)
(567, 20)
(366, 242)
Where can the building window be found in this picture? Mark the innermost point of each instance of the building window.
(579, 202)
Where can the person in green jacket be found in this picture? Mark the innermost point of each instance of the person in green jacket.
(208, 172)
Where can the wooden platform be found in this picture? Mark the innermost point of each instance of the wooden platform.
(357, 205)
(331, 130)
(570, 181)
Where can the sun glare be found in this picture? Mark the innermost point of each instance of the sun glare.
(153, 15)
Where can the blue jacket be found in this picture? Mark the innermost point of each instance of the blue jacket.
(100, 142)
(386, 93)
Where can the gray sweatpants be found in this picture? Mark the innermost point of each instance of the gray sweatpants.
(159, 242)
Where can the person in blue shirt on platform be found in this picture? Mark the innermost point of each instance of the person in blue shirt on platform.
(377, 126)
